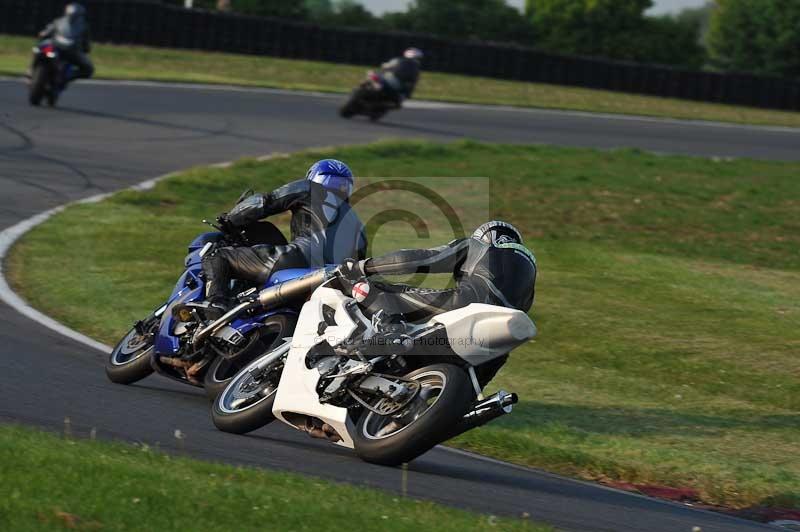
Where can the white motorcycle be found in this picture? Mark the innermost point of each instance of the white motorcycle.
(390, 391)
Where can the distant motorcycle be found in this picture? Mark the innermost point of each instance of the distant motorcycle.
(373, 98)
(389, 391)
(48, 73)
(178, 341)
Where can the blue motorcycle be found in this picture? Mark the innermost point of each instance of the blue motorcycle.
(48, 73)
(178, 340)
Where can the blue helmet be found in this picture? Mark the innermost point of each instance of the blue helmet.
(333, 175)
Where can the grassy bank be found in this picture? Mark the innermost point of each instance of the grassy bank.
(158, 64)
(53, 484)
(668, 300)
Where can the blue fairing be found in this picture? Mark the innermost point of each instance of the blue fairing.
(188, 288)
(281, 276)
(191, 288)
(203, 239)
(197, 245)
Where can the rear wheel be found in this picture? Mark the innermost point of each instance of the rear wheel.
(246, 404)
(446, 394)
(129, 361)
(262, 340)
(38, 84)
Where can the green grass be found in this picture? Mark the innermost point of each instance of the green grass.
(55, 484)
(668, 300)
(159, 64)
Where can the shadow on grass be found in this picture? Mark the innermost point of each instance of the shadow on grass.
(530, 415)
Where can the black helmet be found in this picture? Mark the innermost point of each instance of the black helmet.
(74, 10)
(496, 232)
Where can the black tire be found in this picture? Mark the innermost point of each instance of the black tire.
(349, 109)
(38, 85)
(255, 415)
(354, 104)
(268, 337)
(52, 97)
(376, 115)
(129, 361)
(434, 426)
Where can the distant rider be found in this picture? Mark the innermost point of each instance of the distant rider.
(70, 35)
(492, 266)
(401, 74)
(324, 230)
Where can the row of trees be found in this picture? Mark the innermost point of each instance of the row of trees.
(760, 36)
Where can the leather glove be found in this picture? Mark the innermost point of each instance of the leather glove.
(353, 270)
(224, 223)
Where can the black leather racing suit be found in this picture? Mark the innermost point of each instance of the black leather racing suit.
(325, 230)
(401, 74)
(70, 35)
(503, 275)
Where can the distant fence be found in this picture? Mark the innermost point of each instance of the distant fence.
(156, 24)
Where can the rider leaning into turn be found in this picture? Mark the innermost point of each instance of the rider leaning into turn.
(70, 35)
(324, 230)
(492, 266)
(402, 73)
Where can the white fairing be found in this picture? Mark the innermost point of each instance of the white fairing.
(297, 390)
(479, 332)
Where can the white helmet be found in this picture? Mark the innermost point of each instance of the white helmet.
(74, 10)
(413, 53)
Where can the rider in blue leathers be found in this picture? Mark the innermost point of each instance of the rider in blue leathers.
(324, 230)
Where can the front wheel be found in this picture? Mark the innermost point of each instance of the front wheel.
(446, 394)
(354, 104)
(52, 97)
(129, 361)
(377, 114)
(246, 404)
(38, 85)
(349, 109)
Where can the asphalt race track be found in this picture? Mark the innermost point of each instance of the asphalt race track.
(105, 136)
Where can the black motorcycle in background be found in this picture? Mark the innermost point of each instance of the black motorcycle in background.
(48, 72)
(373, 98)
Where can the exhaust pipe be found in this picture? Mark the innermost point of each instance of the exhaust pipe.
(317, 429)
(485, 411)
(302, 286)
(492, 407)
(269, 298)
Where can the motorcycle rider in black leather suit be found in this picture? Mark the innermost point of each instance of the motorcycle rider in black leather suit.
(324, 230)
(492, 266)
(401, 75)
(70, 35)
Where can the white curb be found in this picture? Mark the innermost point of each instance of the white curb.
(11, 234)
